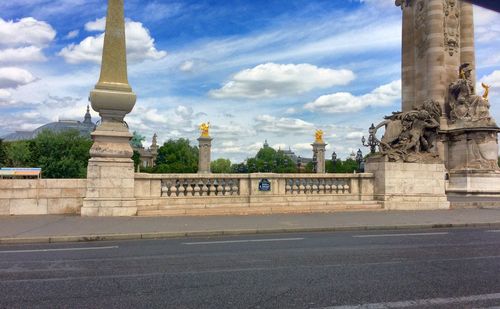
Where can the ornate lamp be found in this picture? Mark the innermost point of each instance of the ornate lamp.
(372, 139)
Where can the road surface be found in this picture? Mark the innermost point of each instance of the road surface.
(438, 268)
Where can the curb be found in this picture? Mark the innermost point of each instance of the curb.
(164, 235)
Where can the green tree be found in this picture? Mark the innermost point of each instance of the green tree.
(177, 156)
(220, 166)
(270, 160)
(3, 153)
(18, 154)
(61, 155)
(136, 157)
(137, 139)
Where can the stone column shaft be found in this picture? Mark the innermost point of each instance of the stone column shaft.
(408, 60)
(436, 90)
(204, 159)
(467, 54)
(319, 152)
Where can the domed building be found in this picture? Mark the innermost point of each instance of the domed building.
(85, 128)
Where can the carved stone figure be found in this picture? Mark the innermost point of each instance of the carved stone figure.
(319, 136)
(467, 108)
(204, 129)
(409, 136)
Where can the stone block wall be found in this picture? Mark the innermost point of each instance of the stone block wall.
(41, 196)
(409, 186)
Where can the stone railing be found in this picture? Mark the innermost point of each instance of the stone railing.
(199, 194)
(317, 185)
(204, 186)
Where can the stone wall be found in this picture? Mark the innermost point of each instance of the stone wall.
(41, 196)
(409, 186)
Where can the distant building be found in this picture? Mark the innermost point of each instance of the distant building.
(85, 128)
(148, 156)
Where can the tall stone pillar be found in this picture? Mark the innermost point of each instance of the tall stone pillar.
(319, 153)
(110, 173)
(205, 148)
(408, 59)
(467, 53)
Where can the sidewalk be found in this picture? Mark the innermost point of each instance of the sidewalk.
(44, 229)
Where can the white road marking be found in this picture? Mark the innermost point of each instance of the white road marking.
(240, 241)
(401, 235)
(421, 302)
(493, 231)
(60, 249)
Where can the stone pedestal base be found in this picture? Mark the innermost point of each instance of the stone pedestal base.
(409, 186)
(110, 188)
(474, 183)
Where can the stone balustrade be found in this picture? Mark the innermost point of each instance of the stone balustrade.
(205, 194)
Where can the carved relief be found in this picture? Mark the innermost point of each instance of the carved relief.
(451, 26)
(410, 136)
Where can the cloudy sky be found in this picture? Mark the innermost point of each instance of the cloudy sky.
(257, 70)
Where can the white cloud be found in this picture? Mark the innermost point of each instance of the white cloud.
(486, 25)
(187, 66)
(72, 34)
(140, 45)
(291, 111)
(4, 94)
(24, 32)
(21, 55)
(302, 146)
(344, 102)
(355, 135)
(271, 124)
(11, 77)
(97, 25)
(492, 80)
(271, 80)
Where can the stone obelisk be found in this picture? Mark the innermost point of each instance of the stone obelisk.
(110, 173)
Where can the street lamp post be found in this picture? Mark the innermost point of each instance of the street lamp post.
(359, 159)
(299, 163)
(315, 163)
(334, 160)
(372, 139)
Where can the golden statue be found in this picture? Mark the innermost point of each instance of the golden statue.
(319, 136)
(204, 127)
(486, 91)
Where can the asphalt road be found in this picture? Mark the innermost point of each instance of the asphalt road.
(439, 268)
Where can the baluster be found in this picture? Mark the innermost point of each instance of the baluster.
(220, 187)
(227, 186)
(328, 186)
(288, 187)
(314, 186)
(307, 186)
(173, 189)
(295, 186)
(213, 187)
(236, 187)
(189, 188)
(335, 188)
(181, 189)
(321, 186)
(197, 187)
(204, 188)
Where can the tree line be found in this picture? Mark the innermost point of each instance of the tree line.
(66, 154)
